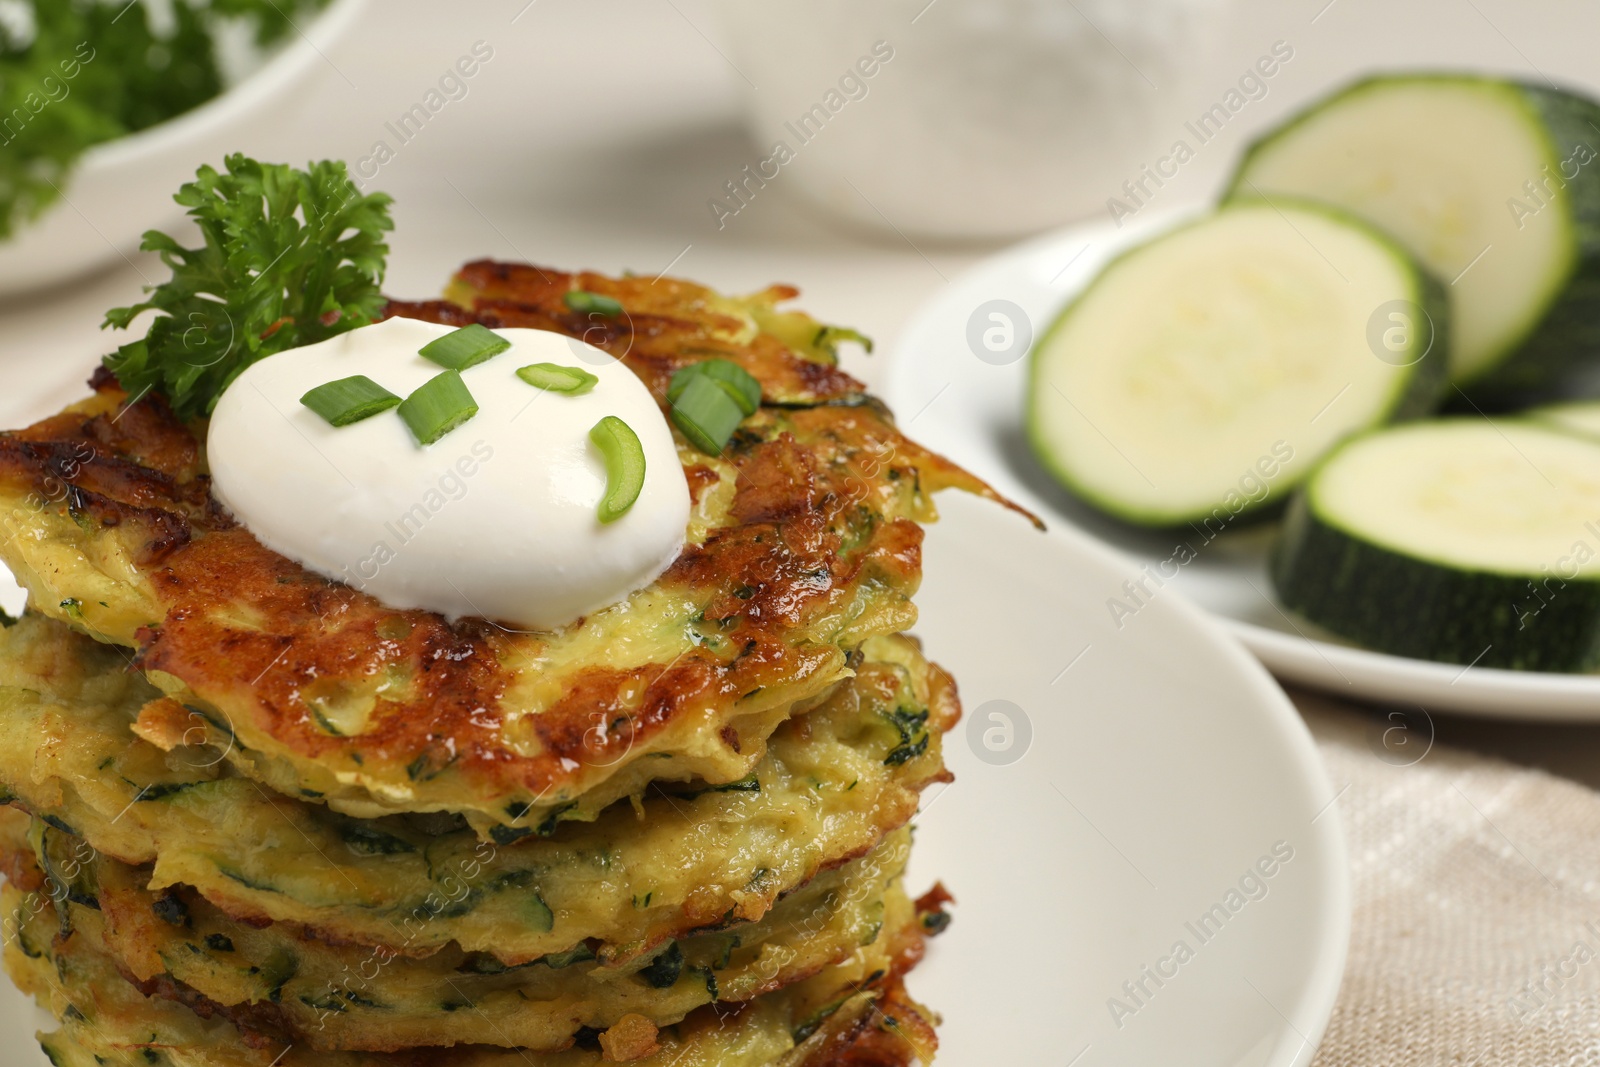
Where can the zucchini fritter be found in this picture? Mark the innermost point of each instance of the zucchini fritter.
(825, 1021)
(804, 544)
(832, 784)
(290, 985)
(258, 819)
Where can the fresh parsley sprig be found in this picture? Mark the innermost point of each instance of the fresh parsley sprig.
(290, 257)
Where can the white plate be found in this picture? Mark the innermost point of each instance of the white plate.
(971, 409)
(1148, 771)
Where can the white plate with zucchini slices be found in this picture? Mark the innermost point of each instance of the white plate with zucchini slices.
(972, 407)
(1276, 407)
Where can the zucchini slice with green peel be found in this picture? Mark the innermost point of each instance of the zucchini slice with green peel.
(1201, 375)
(1576, 416)
(1495, 185)
(1462, 540)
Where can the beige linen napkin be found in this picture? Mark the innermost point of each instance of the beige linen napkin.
(1476, 886)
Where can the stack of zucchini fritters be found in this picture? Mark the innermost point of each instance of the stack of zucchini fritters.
(257, 818)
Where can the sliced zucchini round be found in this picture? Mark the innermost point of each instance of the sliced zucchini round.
(1494, 184)
(1201, 375)
(1461, 540)
(1577, 416)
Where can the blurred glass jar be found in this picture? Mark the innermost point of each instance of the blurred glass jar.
(964, 118)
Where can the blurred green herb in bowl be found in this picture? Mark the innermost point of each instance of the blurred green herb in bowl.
(78, 73)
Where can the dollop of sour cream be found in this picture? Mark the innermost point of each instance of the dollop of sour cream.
(497, 518)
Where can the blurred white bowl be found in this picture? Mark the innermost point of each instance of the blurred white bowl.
(122, 188)
(979, 118)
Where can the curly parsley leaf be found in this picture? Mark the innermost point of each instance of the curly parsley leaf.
(290, 257)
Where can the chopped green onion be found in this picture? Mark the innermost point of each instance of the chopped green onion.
(587, 303)
(619, 446)
(349, 400)
(554, 378)
(466, 347)
(707, 413)
(437, 406)
(743, 387)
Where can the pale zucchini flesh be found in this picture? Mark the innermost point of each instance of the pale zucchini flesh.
(1202, 374)
(1577, 416)
(1493, 184)
(1459, 540)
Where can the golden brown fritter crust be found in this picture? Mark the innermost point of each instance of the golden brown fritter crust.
(668, 324)
(805, 543)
